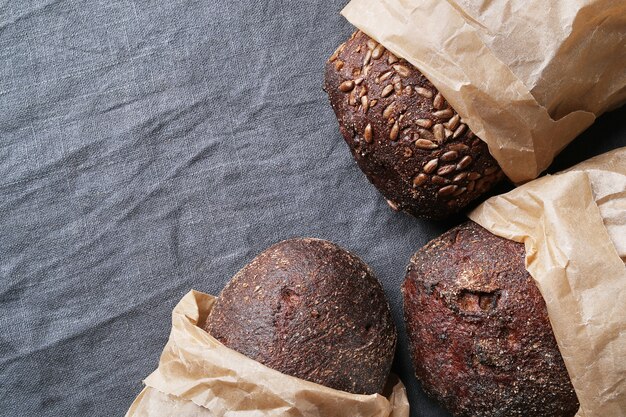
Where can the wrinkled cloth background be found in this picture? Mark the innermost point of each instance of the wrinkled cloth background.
(152, 147)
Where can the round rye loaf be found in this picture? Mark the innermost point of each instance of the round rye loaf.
(403, 134)
(309, 309)
(478, 329)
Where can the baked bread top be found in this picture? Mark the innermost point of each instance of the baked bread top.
(310, 309)
(478, 329)
(403, 134)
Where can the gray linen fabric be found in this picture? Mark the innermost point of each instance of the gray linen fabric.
(152, 147)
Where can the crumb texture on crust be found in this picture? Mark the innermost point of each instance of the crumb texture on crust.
(309, 309)
(478, 329)
(403, 134)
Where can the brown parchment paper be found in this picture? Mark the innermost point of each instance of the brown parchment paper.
(573, 226)
(527, 76)
(197, 376)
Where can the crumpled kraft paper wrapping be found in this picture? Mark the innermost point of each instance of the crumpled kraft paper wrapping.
(527, 76)
(197, 376)
(573, 225)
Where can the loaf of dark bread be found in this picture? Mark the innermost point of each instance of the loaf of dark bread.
(309, 309)
(403, 134)
(478, 329)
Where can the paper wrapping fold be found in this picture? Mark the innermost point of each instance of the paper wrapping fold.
(573, 226)
(527, 76)
(197, 376)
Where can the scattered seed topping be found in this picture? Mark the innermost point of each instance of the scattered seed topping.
(346, 86)
(386, 76)
(459, 131)
(368, 57)
(424, 132)
(460, 191)
(426, 144)
(437, 180)
(447, 190)
(420, 179)
(393, 134)
(444, 114)
(364, 103)
(389, 110)
(367, 134)
(425, 123)
(413, 113)
(459, 147)
(439, 101)
(352, 98)
(438, 132)
(460, 177)
(378, 51)
(431, 166)
(387, 91)
(464, 163)
(424, 92)
(402, 70)
(446, 169)
(449, 156)
(453, 122)
(337, 52)
(393, 205)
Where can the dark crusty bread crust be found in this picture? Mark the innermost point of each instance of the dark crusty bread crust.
(403, 134)
(478, 329)
(309, 309)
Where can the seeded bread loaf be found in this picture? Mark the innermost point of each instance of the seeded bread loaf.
(478, 329)
(403, 134)
(309, 309)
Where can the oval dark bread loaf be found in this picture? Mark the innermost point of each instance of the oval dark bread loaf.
(478, 329)
(403, 134)
(309, 309)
